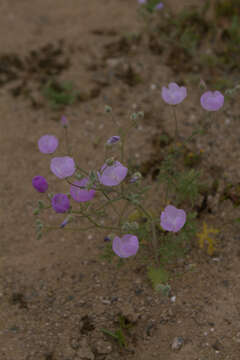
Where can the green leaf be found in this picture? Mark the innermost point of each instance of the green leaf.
(158, 276)
(36, 211)
(39, 236)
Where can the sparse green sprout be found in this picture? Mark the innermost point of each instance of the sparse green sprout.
(59, 94)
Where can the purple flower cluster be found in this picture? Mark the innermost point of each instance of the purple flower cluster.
(63, 167)
(172, 219)
(113, 173)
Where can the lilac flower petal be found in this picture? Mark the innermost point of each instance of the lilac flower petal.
(47, 144)
(172, 219)
(60, 203)
(174, 94)
(141, 1)
(81, 195)
(126, 246)
(63, 167)
(112, 175)
(212, 100)
(40, 183)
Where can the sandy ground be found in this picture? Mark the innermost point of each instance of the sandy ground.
(56, 294)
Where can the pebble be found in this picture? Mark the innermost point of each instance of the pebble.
(177, 343)
(84, 352)
(104, 347)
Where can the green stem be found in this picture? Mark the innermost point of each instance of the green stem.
(154, 236)
(176, 124)
(122, 213)
(69, 149)
(110, 203)
(83, 229)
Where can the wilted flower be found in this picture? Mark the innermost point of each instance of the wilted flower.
(172, 219)
(64, 121)
(81, 195)
(113, 140)
(174, 94)
(66, 221)
(107, 239)
(60, 203)
(126, 246)
(212, 100)
(112, 175)
(159, 6)
(47, 144)
(40, 183)
(63, 167)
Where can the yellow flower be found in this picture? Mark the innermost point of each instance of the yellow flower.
(204, 237)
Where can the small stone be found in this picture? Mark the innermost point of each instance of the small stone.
(114, 62)
(217, 345)
(106, 302)
(84, 352)
(129, 312)
(68, 352)
(104, 347)
(177, 343)
(74, 343)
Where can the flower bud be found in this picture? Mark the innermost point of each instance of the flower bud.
(39, 235)
(36, 211)
(110, 161)
(40, 204)
(108, 109)
(64, 122)
(136, 176)
(113, 140)
(50, 195)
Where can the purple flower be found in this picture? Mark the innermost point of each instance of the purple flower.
(172, 219)
(212, 100)
(141, 1)
(63, 167)
(159, 6)
(60, 203)
(81, 195)
(112, 175)
(126, 246)
(47, 144)
(40, 183)
(113, 140)
(64, 121)
(174, 94)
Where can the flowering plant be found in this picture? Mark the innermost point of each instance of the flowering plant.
(116, 182)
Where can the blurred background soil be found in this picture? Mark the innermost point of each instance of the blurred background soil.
(56, 294)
